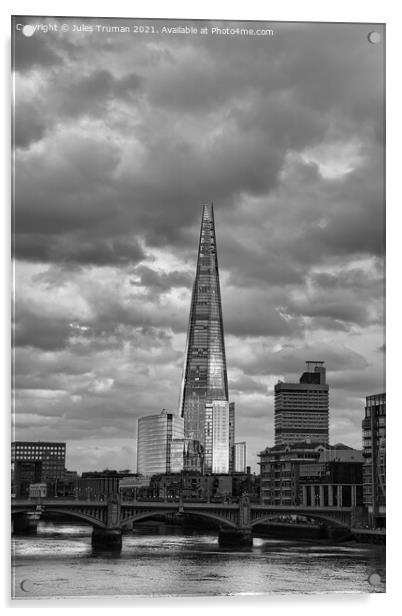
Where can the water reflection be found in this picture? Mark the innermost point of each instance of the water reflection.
(172, 561)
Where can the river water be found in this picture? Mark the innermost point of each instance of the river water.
(59, 562)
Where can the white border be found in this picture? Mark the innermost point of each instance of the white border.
(308, 10)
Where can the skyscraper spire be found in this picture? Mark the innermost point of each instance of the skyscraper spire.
(204, 374)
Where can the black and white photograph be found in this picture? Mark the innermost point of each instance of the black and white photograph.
(198, 307)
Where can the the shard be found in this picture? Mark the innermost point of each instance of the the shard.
(204, 375)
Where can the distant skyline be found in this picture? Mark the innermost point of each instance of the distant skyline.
(119, 141)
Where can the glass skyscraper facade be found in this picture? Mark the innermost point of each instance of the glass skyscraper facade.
(374, 476)
(204, 374)
(154, 442)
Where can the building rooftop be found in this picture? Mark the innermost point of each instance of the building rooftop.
(313, 445)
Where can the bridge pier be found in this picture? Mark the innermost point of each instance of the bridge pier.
(230, 537)
(25, 524)
(107, 539)
(337, 534)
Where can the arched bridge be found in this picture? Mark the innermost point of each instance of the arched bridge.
(117, 514)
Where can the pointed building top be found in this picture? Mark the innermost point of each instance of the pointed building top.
(207, 213)
(204, 374)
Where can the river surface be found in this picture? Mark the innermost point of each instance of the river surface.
(59, 562)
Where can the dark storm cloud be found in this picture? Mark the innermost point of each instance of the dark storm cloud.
(34, 52)
(248, 270)
(161, 281)
(246, 384)
(119, 140)
(291, 361)
(336, 309)
(91, 94)
(259, 130)
(288, 228)
(258, 134)
(365, 382)
(29, 124)
(357, 225)
(110, 325)
(256, 319)
(110, 314)
(48, 366)
(346, 279)
(339, 221)
(41, 332)
(97, 400)
(329, 323)
(65, 188)
(337, 300)
(77, 249)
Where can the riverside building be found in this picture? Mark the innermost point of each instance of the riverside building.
(374, 483)
(52, 456)
(302, 409)
(311, 474)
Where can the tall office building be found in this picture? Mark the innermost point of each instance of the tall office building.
(154, 442)
(232, 426)
(216, 456)
(373, 426)
(204, 376)
(301, 409)
(240, 463)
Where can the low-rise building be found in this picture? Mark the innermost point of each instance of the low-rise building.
(246, 483)
(25, 473)
(134, 487)
(192, 486)
(65, 487)
(312, 474)
(98, 485)
(38, 490)
(331, 484)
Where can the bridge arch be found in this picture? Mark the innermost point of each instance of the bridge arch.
(65, 512)
(197, 514)
(318, 516)
(211, 516)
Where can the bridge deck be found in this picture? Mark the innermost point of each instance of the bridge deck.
(60, 502)
(123, 514)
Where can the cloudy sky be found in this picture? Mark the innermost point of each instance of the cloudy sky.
(119, 139)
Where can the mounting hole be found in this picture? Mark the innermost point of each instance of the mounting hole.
(375, 579)
(374, 37)
(28, 30)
